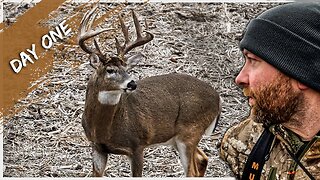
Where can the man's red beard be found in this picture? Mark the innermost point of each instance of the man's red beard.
(276, 103)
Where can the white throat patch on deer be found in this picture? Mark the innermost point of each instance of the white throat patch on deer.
(112, 97)
(109, 97)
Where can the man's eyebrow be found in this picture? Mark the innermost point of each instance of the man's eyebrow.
(250, 55)
(245, 54)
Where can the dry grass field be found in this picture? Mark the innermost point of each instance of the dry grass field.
(46, 139)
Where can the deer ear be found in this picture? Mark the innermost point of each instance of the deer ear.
(94, 60)
(134, 60)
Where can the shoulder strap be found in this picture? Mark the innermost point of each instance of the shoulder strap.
(258, 156)
(300, 164)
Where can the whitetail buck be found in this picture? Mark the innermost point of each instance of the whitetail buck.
(124, 117)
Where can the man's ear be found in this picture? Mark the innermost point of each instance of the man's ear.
(134, 60)
(94, 60)
(302, 86)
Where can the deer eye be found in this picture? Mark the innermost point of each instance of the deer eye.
(111, 71)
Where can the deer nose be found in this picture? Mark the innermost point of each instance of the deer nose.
(132, 85)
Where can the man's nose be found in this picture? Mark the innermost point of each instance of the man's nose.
(242, 78)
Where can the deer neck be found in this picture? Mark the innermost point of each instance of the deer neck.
(101, 99)
(108, 103)
(102, 112)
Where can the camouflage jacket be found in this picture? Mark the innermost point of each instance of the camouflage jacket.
(239, 140)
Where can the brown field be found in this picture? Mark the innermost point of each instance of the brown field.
(45, 139)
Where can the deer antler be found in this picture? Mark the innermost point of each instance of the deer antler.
(85, 32)
(127, 46)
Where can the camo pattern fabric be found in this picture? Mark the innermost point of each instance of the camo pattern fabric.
(239, 140)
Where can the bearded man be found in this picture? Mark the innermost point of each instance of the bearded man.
(281, 78)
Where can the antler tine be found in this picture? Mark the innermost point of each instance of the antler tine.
(136, 24)
(125, 30)
(85, 19)
(122, 50)
(146, 24)
(119, 47)
(83, 29)
(97, 46)
(86, 32)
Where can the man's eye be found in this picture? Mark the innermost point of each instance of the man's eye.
(252, 60)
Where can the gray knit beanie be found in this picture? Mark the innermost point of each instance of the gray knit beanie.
(288, 38)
